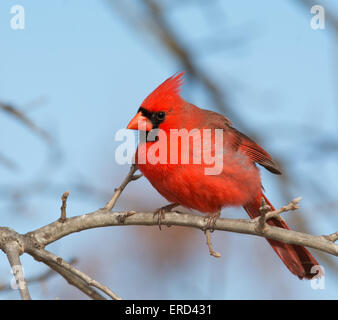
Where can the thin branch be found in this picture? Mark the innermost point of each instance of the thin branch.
(332, 237)
(8, 163)
(130, 177)
(11, 244)
(46, 256)
(64, 206)
(264, 209)
(19, 115)
(293, 205)
(209, 243)
(74, 281)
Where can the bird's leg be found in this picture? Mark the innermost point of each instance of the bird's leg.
(211, 217)
(162, 211)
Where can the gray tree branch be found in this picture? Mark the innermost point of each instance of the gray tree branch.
(12, 246)
(34, 242)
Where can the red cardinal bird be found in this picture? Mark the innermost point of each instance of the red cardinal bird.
(238, 183)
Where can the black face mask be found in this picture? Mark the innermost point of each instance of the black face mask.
(156, 118)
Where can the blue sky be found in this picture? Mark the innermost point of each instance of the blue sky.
(90, 71)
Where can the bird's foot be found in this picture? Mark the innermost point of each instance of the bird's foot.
(160, 213)
(211, 221)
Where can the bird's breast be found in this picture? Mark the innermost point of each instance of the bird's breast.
(198, 175)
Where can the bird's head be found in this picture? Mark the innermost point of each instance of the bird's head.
(158, 110)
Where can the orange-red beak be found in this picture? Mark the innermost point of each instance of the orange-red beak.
(140, 122)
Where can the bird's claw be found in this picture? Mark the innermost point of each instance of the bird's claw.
(211, 221)
(160, 213)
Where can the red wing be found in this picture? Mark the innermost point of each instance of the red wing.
(241, 142)
(254, 151)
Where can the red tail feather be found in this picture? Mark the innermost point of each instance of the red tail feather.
(297, 258)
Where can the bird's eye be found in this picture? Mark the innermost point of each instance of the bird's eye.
(160, 115)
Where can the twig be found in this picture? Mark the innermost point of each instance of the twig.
(332, 237)
(264, 209)
(209, 243)
(25, 120)
(10, 164)
(63, 206)
(46, 256)
(74, 281)
(130, 177)
(292, 205)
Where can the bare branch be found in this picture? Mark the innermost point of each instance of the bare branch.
(332, 237)
(130, 177)
(48, 257)
(34, 242)
(19, 115)
(209, 243)
(104, 218)
(264, 209)
(293, 205)
(11, 245)
(267, 214)
(8, 163)
(64, 205)
(74, 281)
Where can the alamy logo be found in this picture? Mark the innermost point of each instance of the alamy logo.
(318, 282)
(318, 20)
(181, 146)
(18, 20)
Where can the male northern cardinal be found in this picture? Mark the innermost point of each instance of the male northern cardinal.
(186, 184)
